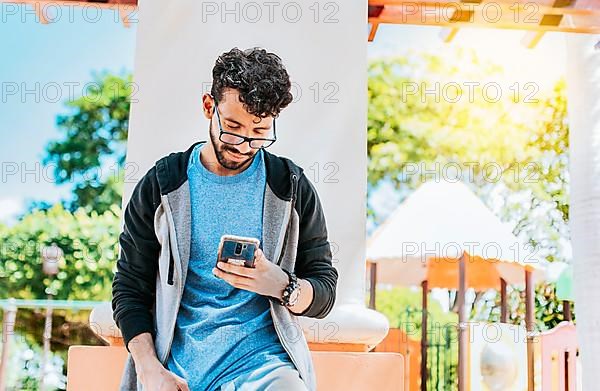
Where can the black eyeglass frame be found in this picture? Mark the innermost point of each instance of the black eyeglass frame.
(243, 139)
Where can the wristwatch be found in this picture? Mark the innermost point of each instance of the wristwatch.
(291, 293)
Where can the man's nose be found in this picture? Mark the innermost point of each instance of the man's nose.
(244, 147)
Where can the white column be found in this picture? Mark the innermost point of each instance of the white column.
(583, 91)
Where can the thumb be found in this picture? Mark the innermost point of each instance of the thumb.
(259, 257)
(181, 383)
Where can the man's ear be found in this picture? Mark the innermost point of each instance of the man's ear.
(207, 106)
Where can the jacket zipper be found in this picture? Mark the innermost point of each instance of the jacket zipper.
(287, 230)
(285, 239)
(283, 340)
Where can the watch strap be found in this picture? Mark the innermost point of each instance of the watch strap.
(289, 289)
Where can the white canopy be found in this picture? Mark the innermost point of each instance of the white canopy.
(441, 220)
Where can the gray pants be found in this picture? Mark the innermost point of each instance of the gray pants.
(271, 377)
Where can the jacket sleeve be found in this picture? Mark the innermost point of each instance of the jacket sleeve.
(313, 258)
(134, 283)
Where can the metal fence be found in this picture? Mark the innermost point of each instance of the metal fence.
(10, 308)
(442, 350)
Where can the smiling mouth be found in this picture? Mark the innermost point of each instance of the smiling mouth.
(236, 156)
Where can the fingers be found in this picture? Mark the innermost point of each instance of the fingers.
(236, 269)
(233, 279)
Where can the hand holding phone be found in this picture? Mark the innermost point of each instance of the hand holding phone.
(237, 250)
(245, 266)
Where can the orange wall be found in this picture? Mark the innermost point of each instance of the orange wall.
(99, 368)
(397, 341)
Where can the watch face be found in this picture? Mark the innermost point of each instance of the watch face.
(294, 296)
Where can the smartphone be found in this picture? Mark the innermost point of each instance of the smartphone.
(237, 250)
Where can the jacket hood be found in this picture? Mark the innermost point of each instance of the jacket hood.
(171, 171)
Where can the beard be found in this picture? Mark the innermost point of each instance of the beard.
(221, 149)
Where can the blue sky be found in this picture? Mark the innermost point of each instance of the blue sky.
(55, 56)
(68, 51)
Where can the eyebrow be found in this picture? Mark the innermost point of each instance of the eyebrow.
(236, 122)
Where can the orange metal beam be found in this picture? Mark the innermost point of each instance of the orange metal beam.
(537, 7)
(536, 16)
(83, 3)
(125, 7)
(471, 18)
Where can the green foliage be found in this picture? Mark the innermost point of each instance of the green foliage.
(89, 243)
(95, 129)
(552, 140)
(543, 218)
(402, 307)
(408, 127)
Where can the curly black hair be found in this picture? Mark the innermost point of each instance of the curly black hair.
(259, 77)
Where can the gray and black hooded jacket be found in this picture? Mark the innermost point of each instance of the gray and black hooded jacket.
(155, 249)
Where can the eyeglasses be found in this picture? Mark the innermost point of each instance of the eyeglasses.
(236, 139)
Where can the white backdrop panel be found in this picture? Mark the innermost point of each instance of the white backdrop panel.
(322, 44)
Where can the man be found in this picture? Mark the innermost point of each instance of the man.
(187, 323)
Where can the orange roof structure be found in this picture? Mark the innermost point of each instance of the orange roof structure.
(536, 17)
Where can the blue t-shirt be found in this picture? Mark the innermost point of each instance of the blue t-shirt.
(222, 332)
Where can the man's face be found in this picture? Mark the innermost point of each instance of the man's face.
(235, 119)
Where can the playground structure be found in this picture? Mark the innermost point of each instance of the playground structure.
(443, 215)
(436, 224)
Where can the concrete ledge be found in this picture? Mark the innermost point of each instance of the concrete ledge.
(95, 368)
(353, 326)
(349, 371)
(99, 368)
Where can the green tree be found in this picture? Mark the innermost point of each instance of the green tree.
(458, 124)
(544, 217)
(90, 155)
(94, 138)
(90, 245)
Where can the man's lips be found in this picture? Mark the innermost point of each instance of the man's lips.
(236, 156)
